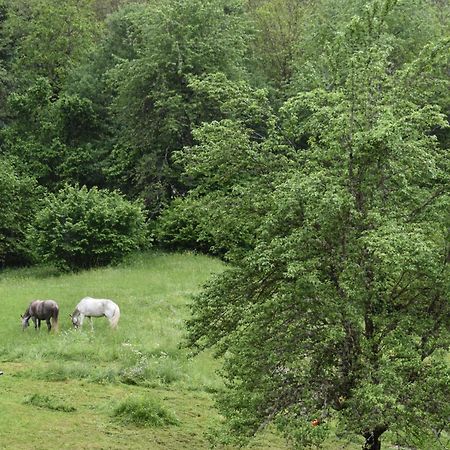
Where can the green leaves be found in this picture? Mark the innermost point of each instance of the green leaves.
(56, 140)
(155, 107)
(79, 228)
(19, 198)
(338, 305)
(50, 37)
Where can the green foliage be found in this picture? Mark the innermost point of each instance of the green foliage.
(77, 119)
(231, 171)
(89, 79)
(278, 25)
(48, 38)
(415, 24)
(80, 228)
(19, 199)
(178, 226)
(154, 106)
(43, 125)
(331, 206)
(6, 80)
(54, 140)
(339, 310)
(217, 214)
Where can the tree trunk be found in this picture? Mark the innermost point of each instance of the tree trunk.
(373, 438)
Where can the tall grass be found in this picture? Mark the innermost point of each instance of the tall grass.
(152, 290)
(144, 411)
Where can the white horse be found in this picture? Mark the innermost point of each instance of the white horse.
(95, 307)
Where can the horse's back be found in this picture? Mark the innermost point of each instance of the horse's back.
(90, 306)
(42, 308)
(51, 304)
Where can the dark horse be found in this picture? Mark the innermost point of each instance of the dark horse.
(41, 310)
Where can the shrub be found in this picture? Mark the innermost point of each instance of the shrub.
(182, 226)
(144, 411)
(81, 228)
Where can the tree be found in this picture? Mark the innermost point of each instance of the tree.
(19, 199)
(154, 109)
(415, 23)
(78, 228)
(103, 8)
(230, 171)
(55, 140)
(339, 312)
(5, 51)
(277, 37)
(48, 37)
(51, 133)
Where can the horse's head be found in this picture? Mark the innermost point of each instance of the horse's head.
(25, 320)
(75, 318)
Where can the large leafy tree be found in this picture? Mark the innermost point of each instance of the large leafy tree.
(414, 24)
(48, 37)
(230, 171)
(55, 140)
(339, 312)
(172, 40)
(5, 54)
(278, 25)
(50, 132)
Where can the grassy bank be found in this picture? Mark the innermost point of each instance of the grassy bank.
(64, 390)
(132, 388)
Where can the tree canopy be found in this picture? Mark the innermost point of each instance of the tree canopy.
(339, 310)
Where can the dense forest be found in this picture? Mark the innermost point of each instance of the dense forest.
(304, 142)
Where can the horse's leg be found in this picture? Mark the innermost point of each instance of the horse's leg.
(49, 325)
(39, 323)
(92, 323)
(34, 321)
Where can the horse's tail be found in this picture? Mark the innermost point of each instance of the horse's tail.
(55, 318)
(115, 317)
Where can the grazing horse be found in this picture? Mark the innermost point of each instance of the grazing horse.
(95, 307)
(41, 310)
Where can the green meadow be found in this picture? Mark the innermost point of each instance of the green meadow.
(132, 388)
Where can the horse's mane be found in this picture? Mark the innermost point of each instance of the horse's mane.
(28, 310)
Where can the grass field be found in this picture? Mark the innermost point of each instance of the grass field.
(132, 388)
(61, 391)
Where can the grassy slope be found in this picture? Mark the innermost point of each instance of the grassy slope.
(93, 372)
(86, 370)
